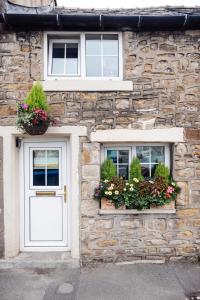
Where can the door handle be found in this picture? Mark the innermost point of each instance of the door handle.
(64, 194)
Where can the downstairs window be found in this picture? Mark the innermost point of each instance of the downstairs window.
(149, 155)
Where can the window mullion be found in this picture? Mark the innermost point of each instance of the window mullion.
(65, 60)
(83, 55)
(102, 55)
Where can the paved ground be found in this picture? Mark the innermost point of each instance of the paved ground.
(63, 280)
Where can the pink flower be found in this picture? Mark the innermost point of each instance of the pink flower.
(170, 190)
(24, 106)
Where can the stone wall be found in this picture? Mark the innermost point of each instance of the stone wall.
(164, 68)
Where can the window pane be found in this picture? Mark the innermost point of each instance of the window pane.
(52, 167)
(58, 58)
(93, 66)
(123, 171)
(123, 156)
(112, 154)
(110, 47)
(145, 170)
(143, 153)
(153, 168)
(72, 50)
(157, 154)
(110, 66)
(39, 163)
(72, 58)
(72, 66)
(93, 44)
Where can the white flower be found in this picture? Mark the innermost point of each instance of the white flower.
(116, 192)
(105, 180)
(106, 193)
(173, 183)
(150, 181)
(110, 188)
(131, 185)
(131, 189)
(110, 193)
(127, 183)
(124, 189)
(135, 180)
(112, 184)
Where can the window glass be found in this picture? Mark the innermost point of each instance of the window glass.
(93, 66)
(45, 167)
(149, 157)
(121, 160)
(65, 58)
(112, 154)
(143, 153)
(110, 44)
(93, 44)
(52, 167)
(39, 167)
(110, 66)
(72, 58)
(102, 55)
(58, 55)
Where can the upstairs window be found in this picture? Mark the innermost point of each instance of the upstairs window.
(84, 55)
(102, 55)
(64, 57)
(149, 156)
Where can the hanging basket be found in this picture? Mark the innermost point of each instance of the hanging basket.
(37, 129)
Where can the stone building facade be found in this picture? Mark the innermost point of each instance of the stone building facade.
(164, 69)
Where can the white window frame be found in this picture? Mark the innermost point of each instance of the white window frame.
(49, 36)
(132, 148)
(50, 59)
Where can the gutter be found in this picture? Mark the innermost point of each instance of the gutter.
(101, 22)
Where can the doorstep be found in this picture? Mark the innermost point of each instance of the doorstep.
(40, 260)
(136, 212)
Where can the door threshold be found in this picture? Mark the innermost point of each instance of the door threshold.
(40, 260)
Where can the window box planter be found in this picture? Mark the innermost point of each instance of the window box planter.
(170, 205)
(107, 204)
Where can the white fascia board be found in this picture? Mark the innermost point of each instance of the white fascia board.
(86, 85)
(169, 135)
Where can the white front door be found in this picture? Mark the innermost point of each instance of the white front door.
(45, 212)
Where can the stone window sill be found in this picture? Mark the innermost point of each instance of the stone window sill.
(82, 85)
(136, 212)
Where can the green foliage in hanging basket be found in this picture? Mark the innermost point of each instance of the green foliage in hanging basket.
(33, 112)
(36, 99)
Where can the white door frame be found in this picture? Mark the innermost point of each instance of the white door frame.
(11, 184)
(23, 171)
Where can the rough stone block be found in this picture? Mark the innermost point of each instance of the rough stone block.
(188, 212)
(192, 134)
(57, 109)
(135, 223)
(122, 104)
(91, 172)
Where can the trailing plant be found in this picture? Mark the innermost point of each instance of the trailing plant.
(135, 169)
(112, 190)
(162, 171)
(108, 170)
